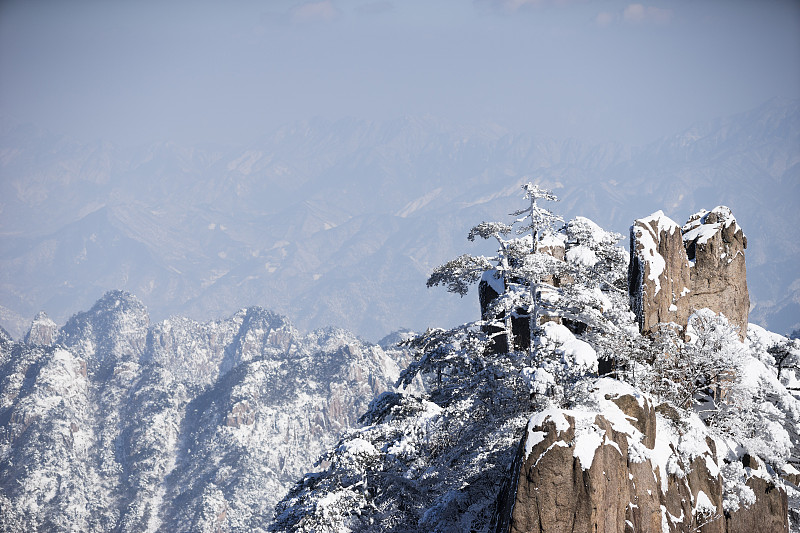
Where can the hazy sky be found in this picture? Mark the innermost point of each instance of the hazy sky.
(142, 71)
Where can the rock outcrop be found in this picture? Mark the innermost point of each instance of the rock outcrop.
(490, 288)
(178, 426)
(624, 468)
(715, 247)
(43, 330)
(675, 270)
(658, 275)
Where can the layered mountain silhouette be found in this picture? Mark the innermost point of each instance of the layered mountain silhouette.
(341, 222)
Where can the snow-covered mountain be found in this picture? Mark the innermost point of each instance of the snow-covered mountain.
(112, 422)
(595, 421)
(125, 425)
(341, 222)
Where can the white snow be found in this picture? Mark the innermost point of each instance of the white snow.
(582, 255)
(605, 301)
(692, 441)
(553, 240)
(573, 351)
(552, 414)
(664, 522)
(758, 335)
(713, 468)
(662, 451)
(789, 469)
(495, 280)
(664, 223)
(558, 333)
(538, 380)
(583, 354)
(703, 504)
(649, 240)
(358, 446)
(586, 444)
(700, 230)
(598, 234)
(702, 233)
(424, 425)
(534, 438)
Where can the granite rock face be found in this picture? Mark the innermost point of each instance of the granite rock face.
(767, 515)
(715, 247)
(43, 330)
(582, 471)
(124, 425)
(658, 272)
(675, 270)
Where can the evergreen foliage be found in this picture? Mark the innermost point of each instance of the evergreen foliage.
(433, 459)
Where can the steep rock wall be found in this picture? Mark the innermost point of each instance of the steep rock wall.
(625, 468)
(715, 246)
(658, 275)
(674, 270)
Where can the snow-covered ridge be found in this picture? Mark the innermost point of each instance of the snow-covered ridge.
(173, 426)
(667, 444)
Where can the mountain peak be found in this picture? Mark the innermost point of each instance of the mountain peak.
(117, 324)
(43, 330)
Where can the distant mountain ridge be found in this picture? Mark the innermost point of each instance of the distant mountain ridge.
(126, 425)
(341, 222)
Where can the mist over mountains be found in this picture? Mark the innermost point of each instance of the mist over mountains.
(340, 223)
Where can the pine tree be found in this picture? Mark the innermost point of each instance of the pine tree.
(535, 222)
(518, 262)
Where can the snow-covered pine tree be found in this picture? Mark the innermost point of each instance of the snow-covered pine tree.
(459, 273)
(697, 368)
(519, 262)
(786, 355)
(450, 355)
(433, 459)
(535, 222)
(594, 255)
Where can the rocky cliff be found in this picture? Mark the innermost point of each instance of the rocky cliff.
(715, 246)
(629, 466)
(43, 330)
(177, 426)
(675, 270)
(574, 451)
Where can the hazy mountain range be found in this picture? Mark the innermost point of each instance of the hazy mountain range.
(340, 223)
